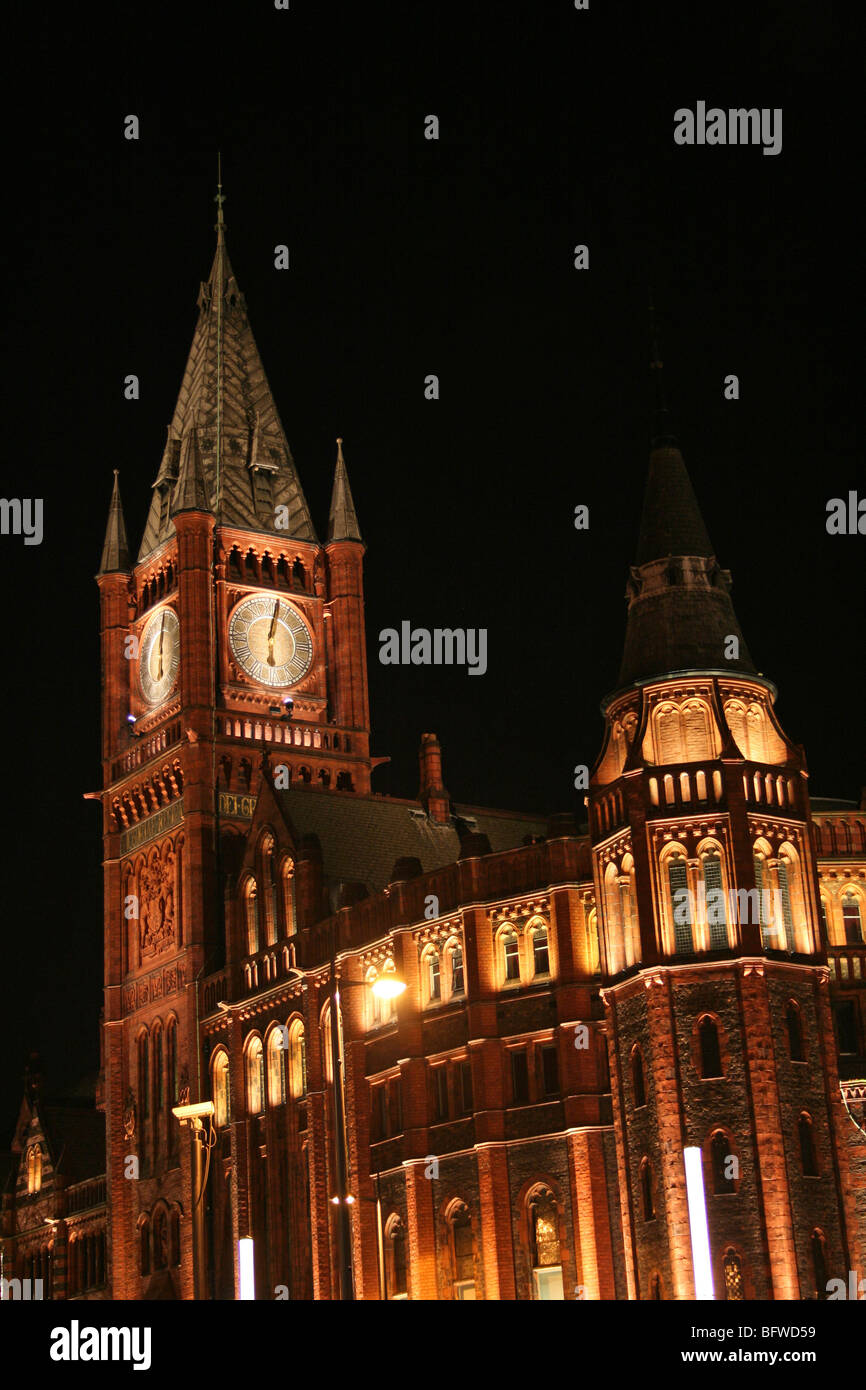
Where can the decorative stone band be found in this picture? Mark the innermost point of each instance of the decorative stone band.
(154, 825)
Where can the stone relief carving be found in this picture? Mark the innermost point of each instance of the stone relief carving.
(157, 924)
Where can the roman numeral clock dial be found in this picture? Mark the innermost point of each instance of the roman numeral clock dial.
(159, 656)
(270, 641)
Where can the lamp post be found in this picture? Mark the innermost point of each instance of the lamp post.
(387, 986)
(202, 1143)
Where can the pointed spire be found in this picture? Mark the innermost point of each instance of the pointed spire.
(342, 521)
(115, 550)
(190, 494)
(680, 615)
(224, 386)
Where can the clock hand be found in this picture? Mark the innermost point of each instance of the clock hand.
(272, 632)
(159, 663)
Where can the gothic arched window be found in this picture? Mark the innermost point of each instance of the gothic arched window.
(255, 1068)
(733, 1269)
(432, 978)
(724, 1163)
(818, 1243)
(710, 1051)
(510, 948)
(455, 960)
(220, 1088)
(540, 949)
(681, 907)
(160, 1239)
(646, 1187)
(544, 1241)
(34, 1168)
(277, 1066)
(143, 1076)
(808, 1155)
(794, 1026)
(852, 920)
(251, 913)
(637, 1077)
(395, 1259)
(297, 1060)
(462, 1251)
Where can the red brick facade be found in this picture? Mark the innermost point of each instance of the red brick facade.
(496, 1147)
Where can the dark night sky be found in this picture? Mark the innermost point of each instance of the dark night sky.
(410, 257)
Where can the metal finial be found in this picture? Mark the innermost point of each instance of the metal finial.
(661, 434)
(220, 197)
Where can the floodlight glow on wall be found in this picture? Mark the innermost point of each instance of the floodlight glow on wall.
(700, 1233)
(246, 1266)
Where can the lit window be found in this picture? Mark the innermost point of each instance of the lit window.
(251, 903)
(715, 900)
(434, 980)
(276, 1067)
(458, 985)
(852, 921)
(544, 1230)
(681, 907)
(511, 954)
(733, 1267)
(34, 1168)
(297, 1061)
(255, 1078)
(540, 951)
(784, 872)
(220, 1075)
(462, 1253)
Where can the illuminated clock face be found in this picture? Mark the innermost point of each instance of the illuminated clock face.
(270, 640)
(159, 656)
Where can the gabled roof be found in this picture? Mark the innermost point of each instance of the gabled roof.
(362, 837)
(247, 466)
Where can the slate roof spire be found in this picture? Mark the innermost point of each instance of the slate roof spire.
(246, 465)
(115, 549)
(680, 615)
(342, 520)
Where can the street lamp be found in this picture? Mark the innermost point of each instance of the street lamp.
(202, 1143)
(387, 986)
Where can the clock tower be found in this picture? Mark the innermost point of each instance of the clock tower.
(235, 633)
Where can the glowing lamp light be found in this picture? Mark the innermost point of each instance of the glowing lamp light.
(698, 1224)
(388, 985)
(246, 1265)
